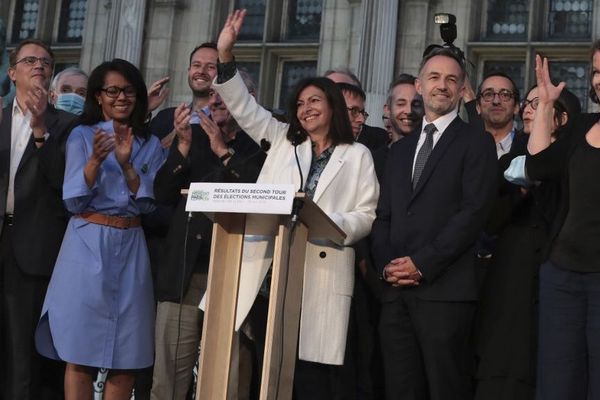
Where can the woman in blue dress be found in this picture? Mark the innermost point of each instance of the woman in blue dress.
(99, 308)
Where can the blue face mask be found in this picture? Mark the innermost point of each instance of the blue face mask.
(70, 102)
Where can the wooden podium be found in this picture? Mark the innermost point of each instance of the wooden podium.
(285, 297)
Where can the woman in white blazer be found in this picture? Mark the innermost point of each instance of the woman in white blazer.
(346, 189)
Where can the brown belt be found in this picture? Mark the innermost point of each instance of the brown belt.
(114, 221)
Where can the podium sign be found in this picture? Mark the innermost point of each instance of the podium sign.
(248, 198)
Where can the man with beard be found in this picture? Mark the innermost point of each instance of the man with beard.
(206, 145)
(32, 217)
(436, 192)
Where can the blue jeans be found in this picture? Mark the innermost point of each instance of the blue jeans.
(569, 335)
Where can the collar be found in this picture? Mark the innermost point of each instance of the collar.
(16, 110)
(505, 143)
(442, 122)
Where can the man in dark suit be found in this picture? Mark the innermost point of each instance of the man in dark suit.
(435, 196)
(32, 217)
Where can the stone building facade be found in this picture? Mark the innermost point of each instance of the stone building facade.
(285, 40)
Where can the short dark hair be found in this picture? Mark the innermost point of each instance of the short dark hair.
(567, 102)
(12, 58)
(352, 90)
(205, 45)
(500, 74)
(402, 79)
(340, 130)
(92, 111)
(446, 52)
(595, 48)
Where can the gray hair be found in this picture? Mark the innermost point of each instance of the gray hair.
(248, 81)
(345, 71)
(67, 72)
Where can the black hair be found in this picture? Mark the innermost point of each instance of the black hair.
(205, 45)
(340, 130)
(595, 48)
(515, 89)
(352, 90)
(567, 102)
(12, 58)
(92, 111)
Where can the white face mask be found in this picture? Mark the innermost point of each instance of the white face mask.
(70, 102)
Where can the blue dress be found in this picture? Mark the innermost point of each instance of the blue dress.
(99, 308)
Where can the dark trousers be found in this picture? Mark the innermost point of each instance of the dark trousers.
(315, 381)
(24, 374)
(426, 348)
(569, 334)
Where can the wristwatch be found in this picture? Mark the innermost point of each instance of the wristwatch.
(230, 152)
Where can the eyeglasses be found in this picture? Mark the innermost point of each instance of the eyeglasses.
(533, 103)
(30, 61)
(114, 91)
(355, 112)
(504, 95)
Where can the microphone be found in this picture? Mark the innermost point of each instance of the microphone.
(298, 203)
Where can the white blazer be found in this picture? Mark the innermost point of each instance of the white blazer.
(347, 191)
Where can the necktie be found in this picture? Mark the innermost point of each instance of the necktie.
(424, 153)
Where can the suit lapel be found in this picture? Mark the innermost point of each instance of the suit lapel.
(50, 118)
(436, 154)
(333, 166)
(4, 154)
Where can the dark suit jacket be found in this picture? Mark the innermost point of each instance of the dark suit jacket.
(437, 223)
(201, 165)
(39, 215)
(373, 137)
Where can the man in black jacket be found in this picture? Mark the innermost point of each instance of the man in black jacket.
(32, 216)
(207, 146)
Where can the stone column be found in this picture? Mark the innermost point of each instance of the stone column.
(113, 28)
(127, 19)
(377, 54)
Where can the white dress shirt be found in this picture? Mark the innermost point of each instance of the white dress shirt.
(503, 146)
(20, 132)
(441, 124)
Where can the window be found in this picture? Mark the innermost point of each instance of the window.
(507, 19)
(304, 20)
(570, 19)
(279, 44)
(294, 72)
(25, 20)
(72, 19)
(254, 23)
(516, 30)
(575, 75)
(514, 69)
(58, 22)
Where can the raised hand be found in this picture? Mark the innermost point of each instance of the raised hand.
(103, 145)
(215, 136)
(157, 93)
(229, 34)
(123, 143)
(547, 92)
(36, 101)
(183, 130)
